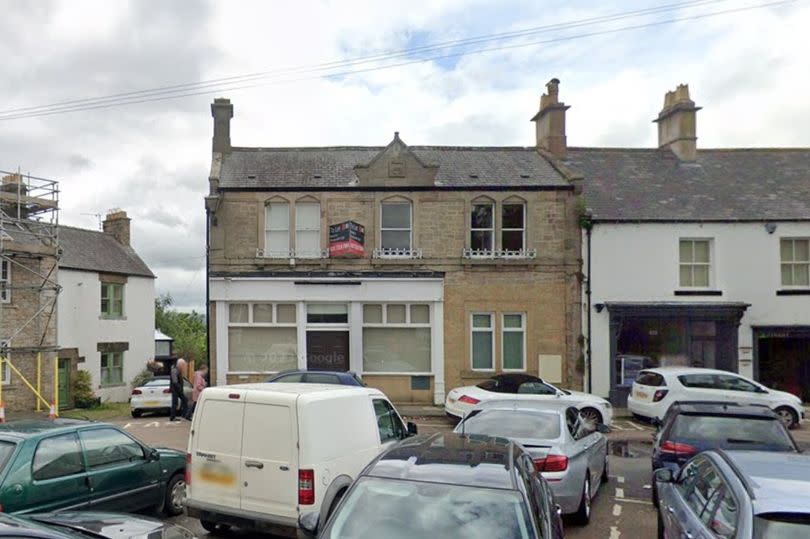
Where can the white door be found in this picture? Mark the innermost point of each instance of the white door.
(216, 443)
(740, 390)
(269, 463)
(701, 387)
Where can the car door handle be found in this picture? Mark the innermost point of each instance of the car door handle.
(688, 535)
(671, 509)
(254, 464)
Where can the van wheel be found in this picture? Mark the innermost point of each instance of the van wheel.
(787, 416)
(175, 495)
(213, 528)
(136, 413)
(583, 514)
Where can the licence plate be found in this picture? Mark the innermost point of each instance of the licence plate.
(641, 395)
(154, 404)
(217, 474)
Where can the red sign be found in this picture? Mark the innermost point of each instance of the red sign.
(346, 240)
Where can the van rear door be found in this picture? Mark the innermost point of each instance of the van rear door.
(216, 449)
(269, 465)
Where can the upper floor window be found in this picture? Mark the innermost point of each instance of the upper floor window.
(307, 230)
(112, 300)
(513, 227)
(795, 258)
(277, 229)
(396, 230)
(482, 227)
(5, 281)
(695, 262)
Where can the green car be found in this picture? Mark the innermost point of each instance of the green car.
(70, 464)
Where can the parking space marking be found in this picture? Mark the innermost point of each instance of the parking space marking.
(615, 426)
(633, 500)
(637, 426)
(619, 492)
(127, 425)
(615, 533)
(620, 479)
(155, 423)
(617, 510)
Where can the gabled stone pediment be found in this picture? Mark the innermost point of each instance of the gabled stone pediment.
(396, 165)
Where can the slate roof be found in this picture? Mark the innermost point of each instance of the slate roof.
(623, 184)
(333, 167)
(91, 250)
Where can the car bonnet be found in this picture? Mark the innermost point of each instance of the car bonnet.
(113, 526)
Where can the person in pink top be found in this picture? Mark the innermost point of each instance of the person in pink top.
(197, 387)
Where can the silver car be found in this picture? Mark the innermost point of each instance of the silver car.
(736, 495)
(570, 452)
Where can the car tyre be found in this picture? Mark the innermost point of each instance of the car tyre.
(661, 534)
(583, 514)
(592, 414)
(655, 495)
(605, 472)
(787, 416)
(175, 495)
(137, 413)
(213, 527)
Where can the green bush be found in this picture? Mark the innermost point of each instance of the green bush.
(142, 377)
(83, 394)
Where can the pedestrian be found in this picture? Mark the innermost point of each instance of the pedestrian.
(176, 376)
(200, 383)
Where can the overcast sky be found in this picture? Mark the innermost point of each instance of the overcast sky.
(750, 71)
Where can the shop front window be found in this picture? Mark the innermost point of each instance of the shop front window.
(396, 338)
(262, 337)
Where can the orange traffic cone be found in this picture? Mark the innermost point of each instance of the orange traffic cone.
(52, 412)
(2, 412)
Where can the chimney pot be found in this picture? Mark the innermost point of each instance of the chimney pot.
(222, 112)
(550, 121)
(116, 224)
(677, 124)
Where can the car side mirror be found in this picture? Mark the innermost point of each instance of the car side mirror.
(308, 524)
(663, 475)
(601, 427)
(656, 423)
(153, 455)
(560, 394)
(412, 429)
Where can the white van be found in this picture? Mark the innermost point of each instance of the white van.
(258, 454)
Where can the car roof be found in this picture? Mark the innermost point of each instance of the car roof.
(544, 406)
(30, 428)
(291, 391)
(302, 371)
(779, 482)
(723, 408)
(446, 457)
(674, 371)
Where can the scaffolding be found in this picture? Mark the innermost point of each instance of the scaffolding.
(29, 256)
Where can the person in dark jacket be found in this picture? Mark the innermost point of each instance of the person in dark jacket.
(176, 376)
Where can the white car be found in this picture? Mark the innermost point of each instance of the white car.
(155, 396)
(656, 389)
(515, 386)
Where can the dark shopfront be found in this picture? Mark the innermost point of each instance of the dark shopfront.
(782, 358)
(644, 335)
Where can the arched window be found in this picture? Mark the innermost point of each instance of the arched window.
(277, 228)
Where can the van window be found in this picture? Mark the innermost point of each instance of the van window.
(57, 457)
(388, 422)
(219, 429)
(268, 432)
(647, 378)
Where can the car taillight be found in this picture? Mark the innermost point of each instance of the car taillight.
(167, 390)
(137, 392)
(188, 469)
(660, 394)
(306, 487)
(468, 400)
(675, 448)
(551, 463)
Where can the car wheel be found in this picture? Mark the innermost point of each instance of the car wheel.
(213, 527)
(592, 415)
(787, 416)
(175, 495)
(583, 514)
(136, 413)
(661, 534)
(605, 472)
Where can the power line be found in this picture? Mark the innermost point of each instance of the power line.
(132, 101)
(371, 58)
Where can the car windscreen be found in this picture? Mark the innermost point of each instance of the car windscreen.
(397, 509)
(782, 526)
(513, 424)
(157, 382)
(732, 432)
(6, 450)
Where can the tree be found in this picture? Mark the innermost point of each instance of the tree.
(187, 329)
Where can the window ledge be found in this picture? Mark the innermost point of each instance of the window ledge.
(397, 254)
(793, 292)
(108, 386)
(698, 292)
(523, 254)
(284, 255)
(105, 317)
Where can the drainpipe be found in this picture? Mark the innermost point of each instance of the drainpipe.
(207, 289)
(588, 228)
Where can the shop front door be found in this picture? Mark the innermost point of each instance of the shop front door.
(327, 350)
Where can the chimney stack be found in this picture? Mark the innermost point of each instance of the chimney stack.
(222, 111)
(116, 224)
(677, 124)
(550, 121)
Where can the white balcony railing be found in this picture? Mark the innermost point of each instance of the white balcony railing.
(523, 254)
(397, 253)
(324, 253)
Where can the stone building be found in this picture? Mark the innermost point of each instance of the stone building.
(420, 268)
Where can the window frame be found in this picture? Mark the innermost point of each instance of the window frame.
(504, 330)
(793, 263)
(389, 252)
(108, 289)
(491, 331)
(250, 323)
(5, 283)
(5, 375)
(692, 264)
(408, 324)
(482, 252)
(111, 464)
(79, 447)
(396, 421)
(521, 230)
(267, 251)
(101, 368)
(318, 253)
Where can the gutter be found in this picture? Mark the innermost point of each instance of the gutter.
(588, 295)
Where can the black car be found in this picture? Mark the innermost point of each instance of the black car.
(317, 377)
(84, 525)
(444, 485)
(691, 428)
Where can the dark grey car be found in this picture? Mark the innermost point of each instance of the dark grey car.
(736, 495)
